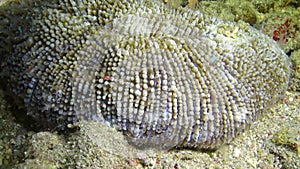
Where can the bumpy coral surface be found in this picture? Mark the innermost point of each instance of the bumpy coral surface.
(163, 77)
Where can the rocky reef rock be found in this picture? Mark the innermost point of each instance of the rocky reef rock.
(164, 77)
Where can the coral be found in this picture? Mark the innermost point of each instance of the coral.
(164, 77)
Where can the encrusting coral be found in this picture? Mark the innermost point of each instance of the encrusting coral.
(164, 77)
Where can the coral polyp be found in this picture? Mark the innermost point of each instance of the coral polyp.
(164, 77)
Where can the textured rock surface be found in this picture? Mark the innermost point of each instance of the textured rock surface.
(164, 77)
